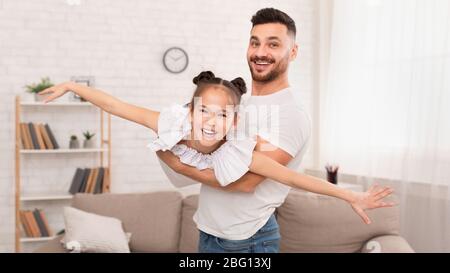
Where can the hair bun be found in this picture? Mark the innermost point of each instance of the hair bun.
(203, 77)
(239, 83)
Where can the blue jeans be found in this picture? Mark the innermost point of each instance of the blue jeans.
(265, 240)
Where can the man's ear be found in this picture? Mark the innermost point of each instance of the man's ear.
(293, 53)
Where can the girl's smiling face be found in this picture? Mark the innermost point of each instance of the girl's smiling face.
(213, 115)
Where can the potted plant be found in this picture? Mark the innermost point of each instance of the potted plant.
(74, 143)
(88, 140)
(38, 87)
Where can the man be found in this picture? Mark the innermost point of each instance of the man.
(239, 217)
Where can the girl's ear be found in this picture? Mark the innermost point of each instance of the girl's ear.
(235, 120)
(191, 118)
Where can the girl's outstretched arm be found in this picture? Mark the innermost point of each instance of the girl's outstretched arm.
(110, 104)
(360, 202)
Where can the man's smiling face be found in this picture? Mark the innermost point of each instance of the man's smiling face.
(270, 50)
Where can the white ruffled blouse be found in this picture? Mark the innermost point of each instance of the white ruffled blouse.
(229, 162)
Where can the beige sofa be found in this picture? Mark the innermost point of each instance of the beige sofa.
(162, 222)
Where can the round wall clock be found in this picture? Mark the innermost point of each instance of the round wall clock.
(175, 60)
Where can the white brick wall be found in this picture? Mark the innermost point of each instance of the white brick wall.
(121, 43)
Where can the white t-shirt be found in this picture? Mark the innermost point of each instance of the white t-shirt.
(235, 215)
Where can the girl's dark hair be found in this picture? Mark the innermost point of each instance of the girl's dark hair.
(235, 88)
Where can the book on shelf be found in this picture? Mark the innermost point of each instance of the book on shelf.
(99, 181)
(33, 136)
(25, 136)
(37, 136)
(89, 180)
(52, 137)
(42, 227)
(46, 137)
(29, 217)
(34, 223)
(77, 181)
(25, 224)
(87, 171)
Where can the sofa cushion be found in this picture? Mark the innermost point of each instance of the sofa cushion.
(89, 232)
(318, 223)
(153, 218)
(189, 232)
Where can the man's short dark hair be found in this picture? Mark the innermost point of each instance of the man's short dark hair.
(271, 15)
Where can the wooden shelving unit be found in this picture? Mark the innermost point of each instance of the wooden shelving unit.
(103, 151)
(50, 197)
(34, 240)
(63, 151)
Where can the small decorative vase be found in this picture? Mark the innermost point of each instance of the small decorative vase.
(89, 143)
(74, 144)
(39, 98)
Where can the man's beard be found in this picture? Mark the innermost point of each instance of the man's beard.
(279, 69)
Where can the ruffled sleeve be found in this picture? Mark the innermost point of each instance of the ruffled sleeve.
(173, 125)
(231, 161)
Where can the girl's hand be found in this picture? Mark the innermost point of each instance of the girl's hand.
(56, 91)
(371, 199)
(170, 159)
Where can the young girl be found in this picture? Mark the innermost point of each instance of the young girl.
(202, 135)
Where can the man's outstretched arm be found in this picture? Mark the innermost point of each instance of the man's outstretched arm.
(246, 183)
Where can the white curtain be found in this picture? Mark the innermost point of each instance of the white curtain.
(386, 110)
